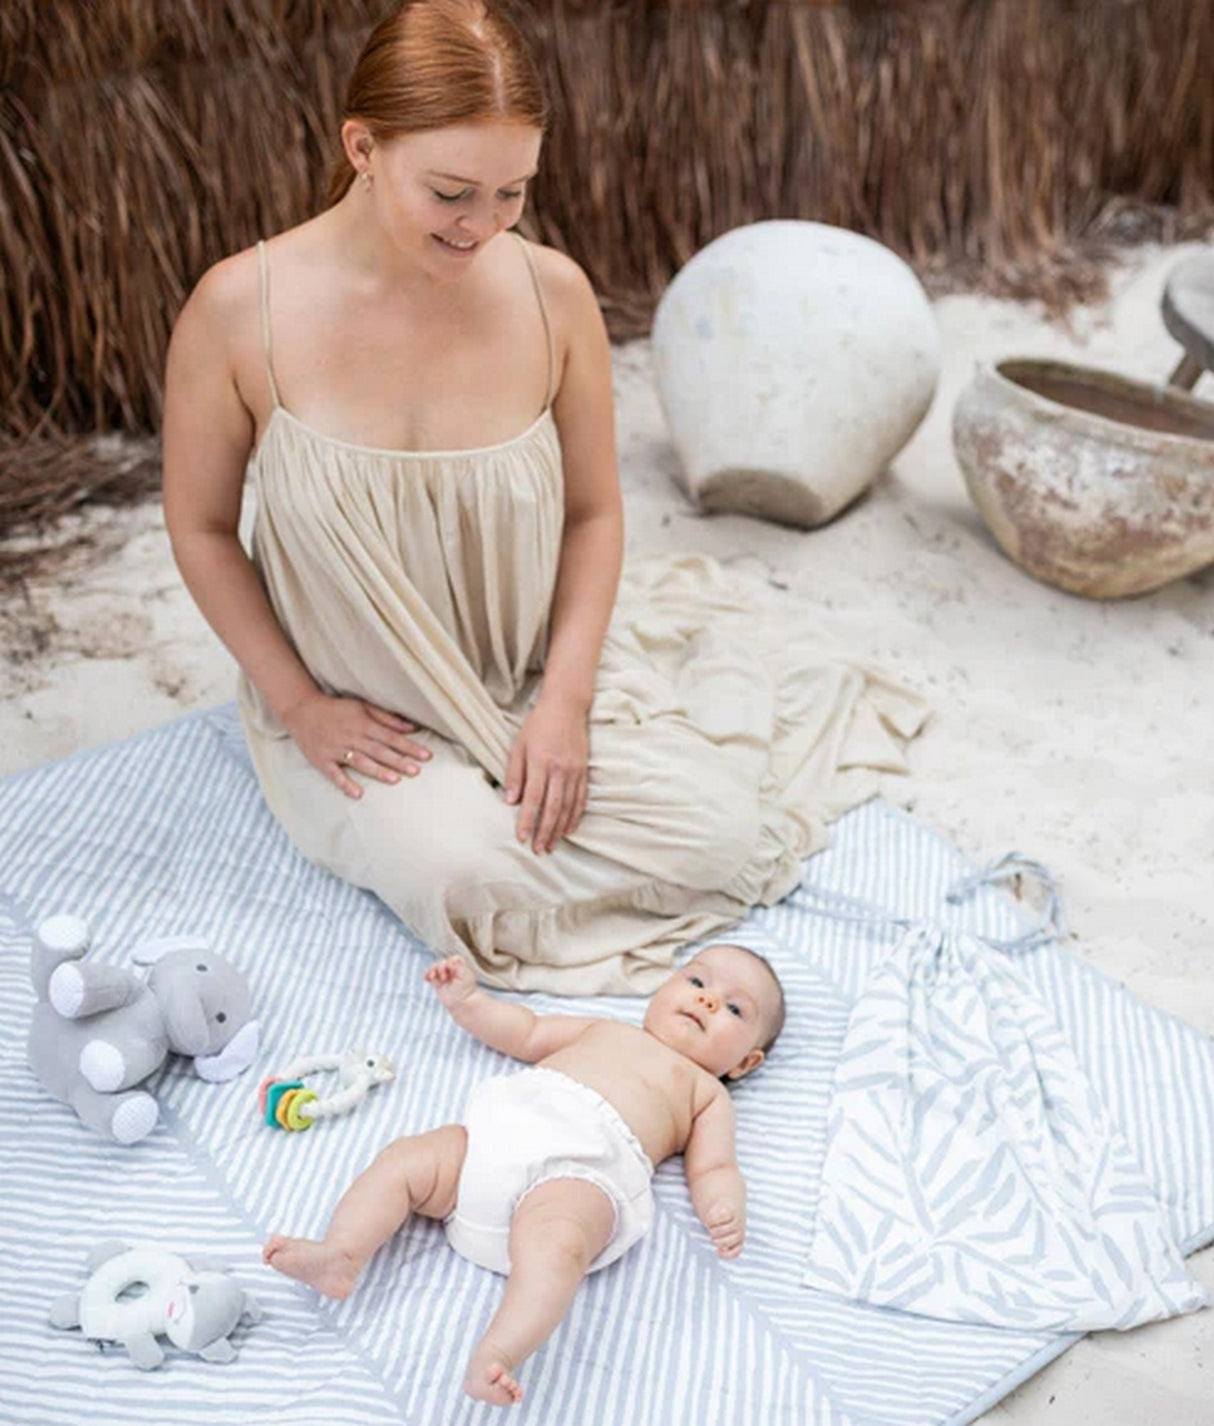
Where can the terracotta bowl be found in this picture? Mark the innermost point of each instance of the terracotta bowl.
(1101, 485)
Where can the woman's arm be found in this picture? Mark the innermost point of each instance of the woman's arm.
(593, 545)
(547, 770)
(208, 434)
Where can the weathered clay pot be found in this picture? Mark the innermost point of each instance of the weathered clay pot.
(794, 361)
(1101, 485)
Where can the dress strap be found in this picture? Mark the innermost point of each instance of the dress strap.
(539, 295)
(263, 264)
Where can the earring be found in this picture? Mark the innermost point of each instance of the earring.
(365, 175)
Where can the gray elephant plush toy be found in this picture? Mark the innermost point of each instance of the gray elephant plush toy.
(135, 1294)
(98, 1031)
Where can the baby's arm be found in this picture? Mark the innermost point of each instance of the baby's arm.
(718, 1190)
(512, 1029)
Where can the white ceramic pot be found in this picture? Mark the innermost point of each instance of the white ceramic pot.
(794, 360)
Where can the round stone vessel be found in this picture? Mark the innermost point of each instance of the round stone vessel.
(1093, 482)
(793, 360)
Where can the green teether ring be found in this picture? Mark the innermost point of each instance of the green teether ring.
(274, 1094)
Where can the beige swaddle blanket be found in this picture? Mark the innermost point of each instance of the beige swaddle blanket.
(725, 732)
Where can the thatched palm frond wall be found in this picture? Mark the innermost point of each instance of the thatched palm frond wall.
(992, 140)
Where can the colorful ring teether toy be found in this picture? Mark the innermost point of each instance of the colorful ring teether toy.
(284, 1101)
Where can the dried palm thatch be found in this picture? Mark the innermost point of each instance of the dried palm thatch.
(1000, 143)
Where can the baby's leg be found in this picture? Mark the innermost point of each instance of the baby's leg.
(419, 1174)
(556, 1233)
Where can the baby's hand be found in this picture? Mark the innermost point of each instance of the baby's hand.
(726, 1226)
(452, 980)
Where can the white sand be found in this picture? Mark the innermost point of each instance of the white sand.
(1079, 733)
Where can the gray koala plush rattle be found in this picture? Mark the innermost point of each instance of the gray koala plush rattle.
(97, 1030)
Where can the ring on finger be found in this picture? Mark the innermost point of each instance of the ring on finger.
(348, 756)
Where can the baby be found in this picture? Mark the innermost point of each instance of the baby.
(549, 1176)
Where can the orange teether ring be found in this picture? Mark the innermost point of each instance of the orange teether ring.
(283, 1106)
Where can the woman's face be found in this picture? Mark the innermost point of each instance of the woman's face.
(442, 195)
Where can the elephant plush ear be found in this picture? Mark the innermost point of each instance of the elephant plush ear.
(155, 948)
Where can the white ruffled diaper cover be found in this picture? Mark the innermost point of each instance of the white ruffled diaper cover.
(528, 1128)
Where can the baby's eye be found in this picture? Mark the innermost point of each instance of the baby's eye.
(734, 1010)
(695, 980)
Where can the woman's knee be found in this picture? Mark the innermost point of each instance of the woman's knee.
(444, 828)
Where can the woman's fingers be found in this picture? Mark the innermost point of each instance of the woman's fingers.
(564, 802)
(552, 812)
(384, 740)
(552, 805)
(369, 763)
(543, 797)
(569, 801)
(337, 774)
(390, 720)
(516, 771)
(578, 806)
(404, 755)
(534, 785)
(343, 736)
(377, 760)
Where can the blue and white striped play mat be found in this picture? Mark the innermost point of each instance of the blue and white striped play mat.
(167, 833)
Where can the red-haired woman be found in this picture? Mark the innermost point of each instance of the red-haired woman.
(444, 698)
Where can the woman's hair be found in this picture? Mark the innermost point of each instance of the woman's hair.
(431, 63)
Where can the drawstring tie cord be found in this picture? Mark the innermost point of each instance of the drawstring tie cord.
(1011, 867)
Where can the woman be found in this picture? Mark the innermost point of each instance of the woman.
(440, 703)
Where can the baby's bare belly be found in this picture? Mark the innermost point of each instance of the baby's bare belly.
(652, 1093)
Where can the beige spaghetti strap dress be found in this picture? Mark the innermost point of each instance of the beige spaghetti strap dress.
(724, 733)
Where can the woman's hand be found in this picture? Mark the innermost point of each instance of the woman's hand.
(547, 772)
(338, 735)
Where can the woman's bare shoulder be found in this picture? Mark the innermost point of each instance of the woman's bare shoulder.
(227, 288)
(219, 319)
(228, 294)
(219, 327)
(577, 320)
(213, 354)
(565, 283)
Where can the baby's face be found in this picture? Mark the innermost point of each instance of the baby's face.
(716, 1010)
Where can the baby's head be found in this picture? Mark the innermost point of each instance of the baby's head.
(723, 1010)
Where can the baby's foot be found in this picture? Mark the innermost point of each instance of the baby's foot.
(328, 1269)
(488, 1377)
